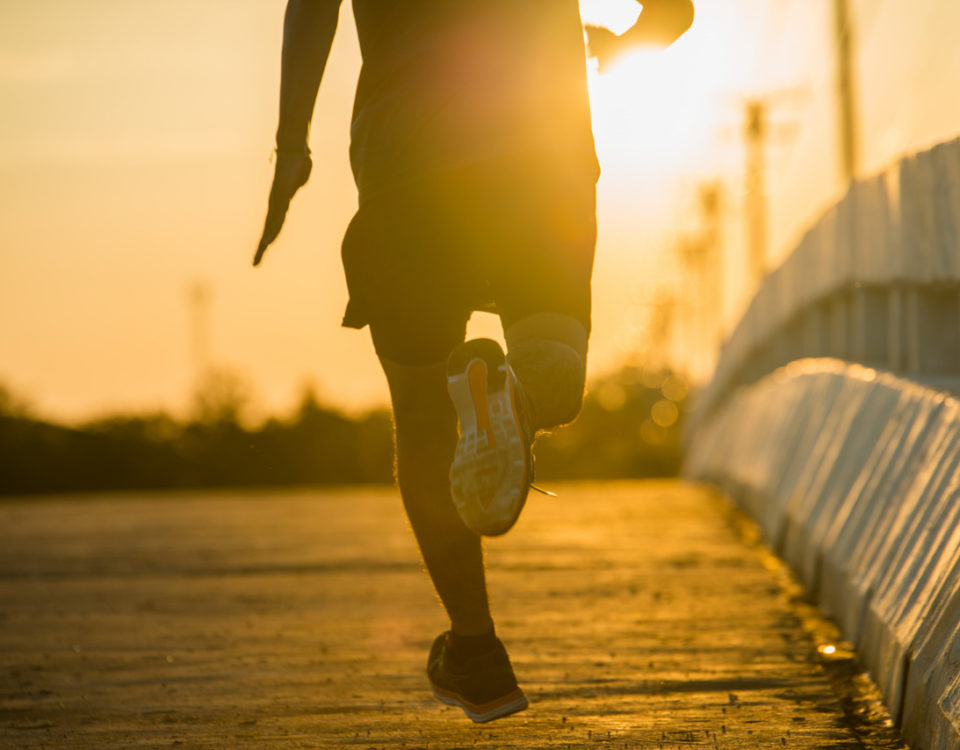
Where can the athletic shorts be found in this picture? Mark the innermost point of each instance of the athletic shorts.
(515, 237)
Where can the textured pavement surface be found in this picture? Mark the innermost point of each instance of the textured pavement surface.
(635, 614)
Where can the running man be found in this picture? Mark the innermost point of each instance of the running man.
(473, 155)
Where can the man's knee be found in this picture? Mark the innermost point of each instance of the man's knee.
(553, 375)
(548, 326)
(548, 353)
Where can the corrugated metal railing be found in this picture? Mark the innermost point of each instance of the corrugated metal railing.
(848, 461)
(875, 281)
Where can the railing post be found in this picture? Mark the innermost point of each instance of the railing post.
(894, 328)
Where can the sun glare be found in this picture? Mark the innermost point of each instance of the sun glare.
(642, 112)
(661, 109)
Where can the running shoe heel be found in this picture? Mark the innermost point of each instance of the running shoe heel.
(491, 470)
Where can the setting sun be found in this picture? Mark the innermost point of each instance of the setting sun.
(646, 113)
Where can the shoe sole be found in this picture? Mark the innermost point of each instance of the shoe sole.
(511, 703)
(490, 474)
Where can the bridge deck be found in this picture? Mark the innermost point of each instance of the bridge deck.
(635, 614)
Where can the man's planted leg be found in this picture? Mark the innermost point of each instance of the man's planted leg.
(426, 436)
(468, 665)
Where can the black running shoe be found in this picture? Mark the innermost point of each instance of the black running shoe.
(483, 685)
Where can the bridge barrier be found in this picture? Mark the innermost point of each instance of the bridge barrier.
(875, 281)
(854, 477)
(853, 470)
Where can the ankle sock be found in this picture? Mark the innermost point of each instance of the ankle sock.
(465, 646)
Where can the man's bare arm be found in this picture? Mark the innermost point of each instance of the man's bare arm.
(308, 30)
(660, 24)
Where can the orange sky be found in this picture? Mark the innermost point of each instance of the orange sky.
(134, 152)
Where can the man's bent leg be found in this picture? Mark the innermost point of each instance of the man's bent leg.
(548, 354)
(502, 402)
(426, 437)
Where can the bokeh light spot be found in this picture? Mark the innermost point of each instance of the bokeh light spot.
(664, 413)
(674, 388)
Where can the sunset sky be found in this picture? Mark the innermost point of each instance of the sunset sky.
(135, 140)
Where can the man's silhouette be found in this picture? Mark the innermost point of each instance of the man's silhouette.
(473, 156)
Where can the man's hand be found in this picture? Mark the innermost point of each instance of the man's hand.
(291, 173)
(603, 45)
(308, 29)
(659, 25)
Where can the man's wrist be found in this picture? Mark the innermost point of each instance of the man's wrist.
(293, 136)
(292, 152)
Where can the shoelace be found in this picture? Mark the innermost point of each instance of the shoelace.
(533, 467)
(542, 491)
(527, 410)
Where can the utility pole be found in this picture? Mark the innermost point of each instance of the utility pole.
(711, 209)
(702, 284)
(662, 328)
(198, 297)
(757, 132)
(755, 193)
(849, 147)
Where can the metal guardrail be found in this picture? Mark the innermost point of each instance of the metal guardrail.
(854, 478)
(853, 474)
(875, 281)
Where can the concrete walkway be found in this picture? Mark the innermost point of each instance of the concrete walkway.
(635, 614)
